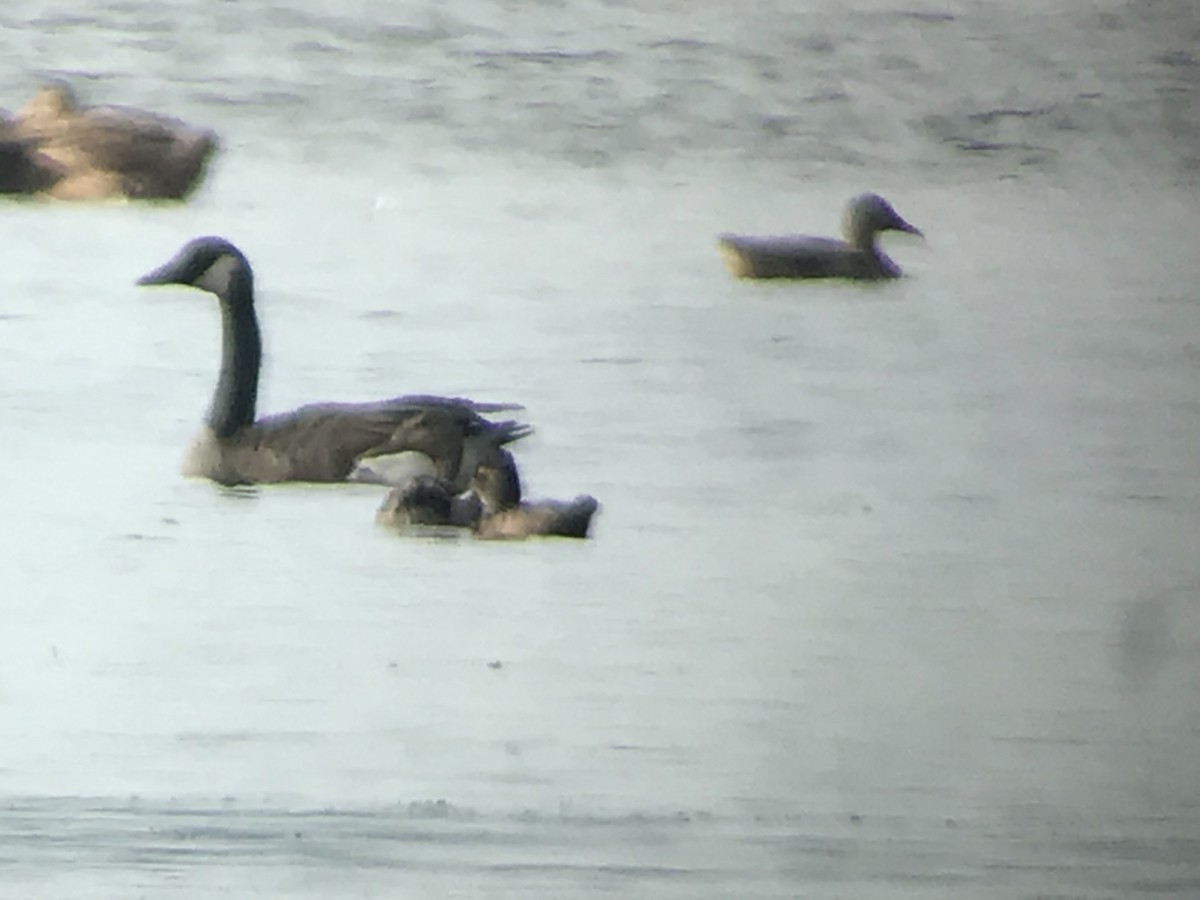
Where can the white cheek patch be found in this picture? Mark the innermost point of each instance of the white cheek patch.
(217, 277)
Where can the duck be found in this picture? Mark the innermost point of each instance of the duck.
(321, 442)
(492, 509)
(506, 514)
(858, 257)
(103, 152)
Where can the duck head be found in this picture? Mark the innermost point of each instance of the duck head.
(52, 104)
(423, 501)
(211, 264)
(427, 501)
(497, 482)
(868, 214)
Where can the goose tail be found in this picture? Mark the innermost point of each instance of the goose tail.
(508, 431)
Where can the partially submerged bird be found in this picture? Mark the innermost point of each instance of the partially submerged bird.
(540, 518)
(493, 508)
(508, 515)
(98, 152)
(799, 256)
(325, 442)
(426, 500)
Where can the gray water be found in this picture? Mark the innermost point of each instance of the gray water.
(893, 592)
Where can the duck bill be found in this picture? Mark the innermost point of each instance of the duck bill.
(901, 225)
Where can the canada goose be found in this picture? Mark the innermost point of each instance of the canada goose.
(113, 151)
(798, 256)
(322, 442)
(493, 508)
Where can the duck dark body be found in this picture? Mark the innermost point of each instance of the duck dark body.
(858, 257)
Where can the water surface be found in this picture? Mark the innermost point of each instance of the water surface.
(893, 590)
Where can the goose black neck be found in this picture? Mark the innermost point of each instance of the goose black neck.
(234, 401)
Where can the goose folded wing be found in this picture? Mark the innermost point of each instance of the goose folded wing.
(326, 442)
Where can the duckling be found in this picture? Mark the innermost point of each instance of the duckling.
(324, 442)
(798, 256)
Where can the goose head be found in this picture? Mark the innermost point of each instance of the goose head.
(211, 264)
(868, 214)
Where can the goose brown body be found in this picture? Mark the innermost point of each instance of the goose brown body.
(325, 442)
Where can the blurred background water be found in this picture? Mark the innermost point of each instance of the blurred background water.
(893, 590)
